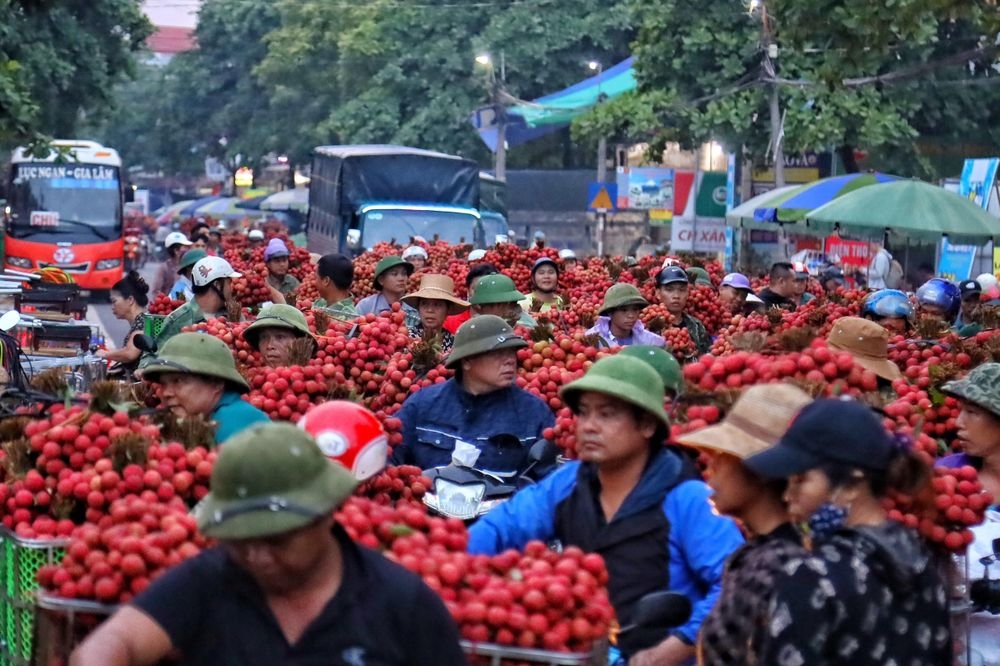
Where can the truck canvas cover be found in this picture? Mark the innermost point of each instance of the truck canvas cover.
(345, 177)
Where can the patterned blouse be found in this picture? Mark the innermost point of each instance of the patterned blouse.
(138, 325)
(446, 338)
(867, 596)
(737, 624)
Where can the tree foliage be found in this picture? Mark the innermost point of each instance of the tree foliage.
(849, 72)
(60, 61)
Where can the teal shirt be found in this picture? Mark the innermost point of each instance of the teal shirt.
(233, 414)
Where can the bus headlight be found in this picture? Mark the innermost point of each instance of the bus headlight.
(19, 262)
(106, 264)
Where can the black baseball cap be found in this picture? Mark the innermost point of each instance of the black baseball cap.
(970, 288)
(827, 430)
(672, 274)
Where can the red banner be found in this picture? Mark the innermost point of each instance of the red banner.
(853, 254)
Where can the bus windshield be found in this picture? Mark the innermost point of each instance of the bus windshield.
(65, 202)
(399, 225)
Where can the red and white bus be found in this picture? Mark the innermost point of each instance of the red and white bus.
(64, 210)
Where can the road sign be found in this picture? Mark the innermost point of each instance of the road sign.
(601, 196)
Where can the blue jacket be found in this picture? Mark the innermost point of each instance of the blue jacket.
(698, 541)
(233, 414)
(435, 417)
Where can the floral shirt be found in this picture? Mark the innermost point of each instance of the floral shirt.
(446, 338)
(866, 596)
(736, 625)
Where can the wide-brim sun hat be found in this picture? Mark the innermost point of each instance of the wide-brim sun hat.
(756, 422)
(867, 343)
(270, 479)
(627, 379)
(437, 288)
(980, 387)
(482, 335)
(387, 263)
(620, 295)
(277, 315)
(196, 354)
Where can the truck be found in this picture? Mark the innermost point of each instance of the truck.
(360, 195)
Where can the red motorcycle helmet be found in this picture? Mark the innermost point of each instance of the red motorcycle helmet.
(350, 434)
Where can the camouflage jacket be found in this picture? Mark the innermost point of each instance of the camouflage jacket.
(188, 314)
(699, 334)
(341, 310)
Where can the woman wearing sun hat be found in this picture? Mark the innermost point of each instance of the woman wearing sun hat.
(434, 301)
(731, 633)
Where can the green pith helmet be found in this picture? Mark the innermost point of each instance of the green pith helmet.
(196, 354)
(385, 264)
(700, 276)
(495, 288)
(980, 387)
(660, 360)
(480, 335)
(622, 377)
(270, 479)
(619, 295)
(277, 315)
(190, 258)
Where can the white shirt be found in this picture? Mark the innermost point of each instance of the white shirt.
(878, 270)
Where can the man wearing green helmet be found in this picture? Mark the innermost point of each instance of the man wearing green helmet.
(276, 328)
(285, 584)
(390, 281)
(496, 295)
(627, 498)
(618, 324)
(199, 378)
(464, 416)
(663, 362)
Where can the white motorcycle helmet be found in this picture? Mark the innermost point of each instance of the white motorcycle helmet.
(567, 254)
(210, 269)
(987, 280)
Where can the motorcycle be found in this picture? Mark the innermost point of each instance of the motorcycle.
(133, 250)
(654, 616)
(463, 492)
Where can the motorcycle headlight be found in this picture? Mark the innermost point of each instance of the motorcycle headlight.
(19, 262)
(105, 264)
(459, 500)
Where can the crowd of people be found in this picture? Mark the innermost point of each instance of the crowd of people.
(781, 542)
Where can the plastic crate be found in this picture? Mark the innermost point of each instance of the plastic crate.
(20, 560)
(152, 324)
(62, 624)
(492, 654)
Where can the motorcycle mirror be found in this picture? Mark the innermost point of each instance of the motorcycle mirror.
(9, 320)
(145, 343)
(661, 609)
(543, 451)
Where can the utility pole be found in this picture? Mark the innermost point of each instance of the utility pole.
(777, 122)
(602, 143)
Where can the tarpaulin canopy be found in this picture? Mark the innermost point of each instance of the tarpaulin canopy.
(527, 121)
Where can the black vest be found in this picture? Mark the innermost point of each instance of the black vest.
(635, 549)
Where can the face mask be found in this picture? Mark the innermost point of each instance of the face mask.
(827, 520)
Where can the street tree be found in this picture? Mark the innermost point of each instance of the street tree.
(60, 61)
